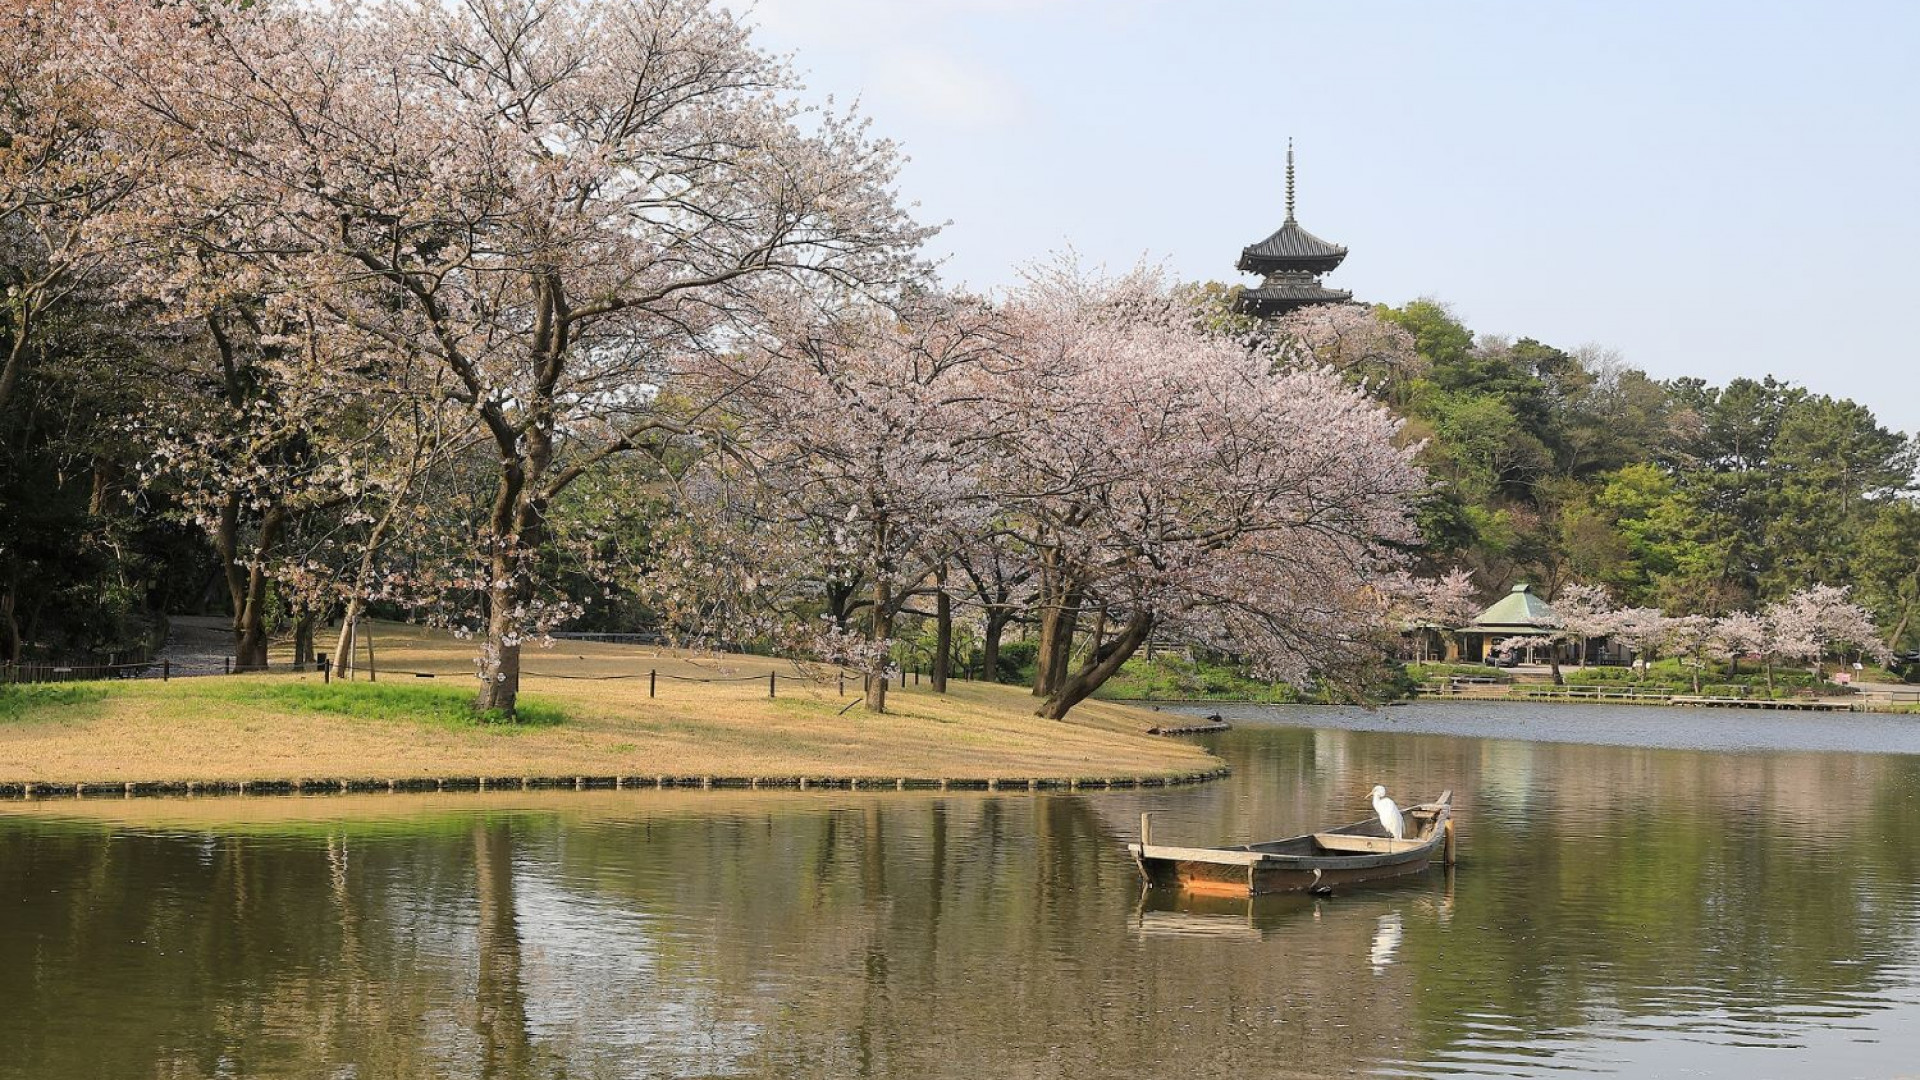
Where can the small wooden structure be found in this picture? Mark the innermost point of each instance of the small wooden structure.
(1317, 862)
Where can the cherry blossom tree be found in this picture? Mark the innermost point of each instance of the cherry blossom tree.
(1350, 339)
(67, 167)
(1439, 604)
(1586, 612)
(554, 203)
(1643, 630)
(1817, 622)
(862, 436)
(1693, 639)
(1738, 634)
(1161, 477)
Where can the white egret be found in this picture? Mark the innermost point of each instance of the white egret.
(1389, 813)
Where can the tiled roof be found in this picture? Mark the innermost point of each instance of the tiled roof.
(1291, 248)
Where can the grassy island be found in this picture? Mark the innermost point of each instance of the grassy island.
(587, 712)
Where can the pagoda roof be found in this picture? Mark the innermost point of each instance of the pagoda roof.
(1291, 248)
(1518, 612)
(1282, 293)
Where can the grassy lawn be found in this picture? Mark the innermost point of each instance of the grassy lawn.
(576, 721)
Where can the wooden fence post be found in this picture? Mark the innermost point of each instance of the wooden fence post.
(166, 670)
(771, 675)
(653, 676)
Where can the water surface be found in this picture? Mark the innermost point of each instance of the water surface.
(1638, 910)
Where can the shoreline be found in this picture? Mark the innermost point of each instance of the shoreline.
(1696, 730)
(1686, 701)
(37, 791)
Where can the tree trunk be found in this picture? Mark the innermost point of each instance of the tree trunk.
(513, 532)
(879, 628)
(997, 619)
(250, 621)
(343, 645)
(1099, 666)
(303, 640)
(1553, 658)
(942, 631)
(226, 542)
(1059, 616)
(500, 656)
(9, 624)
(16, 350)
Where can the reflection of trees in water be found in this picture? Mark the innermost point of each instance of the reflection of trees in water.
(1645, 882)
(893, 935)
(500, 1006)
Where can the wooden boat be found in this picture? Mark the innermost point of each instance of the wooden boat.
(1315, 862)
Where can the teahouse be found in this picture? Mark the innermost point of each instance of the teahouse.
(1520, 613)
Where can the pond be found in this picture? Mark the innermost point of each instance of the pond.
(1646, 910)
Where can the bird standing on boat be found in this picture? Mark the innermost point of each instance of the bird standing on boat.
(1389, 813)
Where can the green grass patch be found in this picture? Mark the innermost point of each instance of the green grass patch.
(442, 706)
(1437, 670)
(21, 701)
(1177, 677)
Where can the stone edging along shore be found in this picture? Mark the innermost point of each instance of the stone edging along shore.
(340, 786)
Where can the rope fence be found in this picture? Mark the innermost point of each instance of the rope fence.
(201, 667)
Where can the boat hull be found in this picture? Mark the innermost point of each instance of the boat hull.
(1351, 855)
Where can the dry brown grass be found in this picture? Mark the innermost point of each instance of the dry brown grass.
(210, 729)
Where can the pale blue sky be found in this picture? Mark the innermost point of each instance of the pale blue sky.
(1714, 189)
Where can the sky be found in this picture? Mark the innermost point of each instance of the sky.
(1708, 189)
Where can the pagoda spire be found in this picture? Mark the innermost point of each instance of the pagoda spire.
(1289, 179)
(1289, 263)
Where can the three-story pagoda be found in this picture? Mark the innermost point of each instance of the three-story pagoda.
(1289, 263)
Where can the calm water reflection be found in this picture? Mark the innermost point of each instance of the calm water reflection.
(1645, 911)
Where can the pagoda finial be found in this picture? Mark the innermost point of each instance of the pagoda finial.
(1289, 179)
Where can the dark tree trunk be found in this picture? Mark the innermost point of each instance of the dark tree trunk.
(9, 623)
(303, 640)
(16, 359)
(1099, 666)
(842, 598)
(250, 620)
(942, 632)
(997, 620)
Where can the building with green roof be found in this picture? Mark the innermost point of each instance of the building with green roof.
(1520, 613)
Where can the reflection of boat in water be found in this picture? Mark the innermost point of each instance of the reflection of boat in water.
(1372, 921)
(1317, 862)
